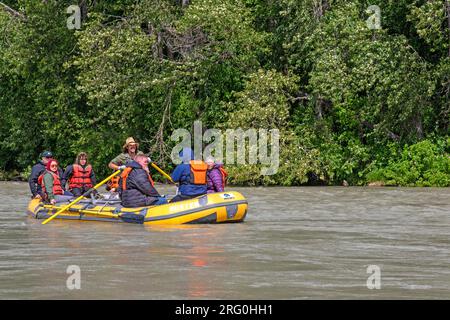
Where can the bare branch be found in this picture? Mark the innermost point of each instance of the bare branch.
(157, 143)
(302, 98)
(13, 12)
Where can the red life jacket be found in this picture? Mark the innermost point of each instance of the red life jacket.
(198, 172)
(57, 189)
(224, 176)
(81, 177)
(124, 176)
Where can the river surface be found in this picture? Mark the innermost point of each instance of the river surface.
(296, 243)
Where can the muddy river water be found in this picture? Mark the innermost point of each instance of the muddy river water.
(296, 243)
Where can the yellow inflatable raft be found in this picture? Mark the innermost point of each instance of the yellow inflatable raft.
(219, 207)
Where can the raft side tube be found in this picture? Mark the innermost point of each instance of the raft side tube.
(210, 208)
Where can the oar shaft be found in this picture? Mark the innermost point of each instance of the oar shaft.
(48, 206)
(62, 209)
(80, 197)
(103, 182)
(162, 172)
(91, 212)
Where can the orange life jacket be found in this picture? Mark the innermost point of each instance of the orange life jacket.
(198, 172)
(81, 177)
(124, 177)
(113, 183)
(57, 189)
(224, 176)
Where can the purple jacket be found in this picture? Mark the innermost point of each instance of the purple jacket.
(214, 179)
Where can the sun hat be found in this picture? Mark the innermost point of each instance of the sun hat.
(130, 140)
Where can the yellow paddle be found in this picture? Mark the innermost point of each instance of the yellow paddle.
(81, 197)
(162, 172)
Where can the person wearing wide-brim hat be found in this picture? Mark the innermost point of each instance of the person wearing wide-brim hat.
(129, 150)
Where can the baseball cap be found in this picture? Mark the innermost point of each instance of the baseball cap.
(46, 154)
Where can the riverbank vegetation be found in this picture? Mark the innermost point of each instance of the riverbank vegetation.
(359, 94)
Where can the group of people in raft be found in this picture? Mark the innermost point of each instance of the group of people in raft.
(134, 185)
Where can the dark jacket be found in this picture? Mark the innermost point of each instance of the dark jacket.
(214, 179)
(182, 175)
(139, 191)
(36, 171)
(69, 172)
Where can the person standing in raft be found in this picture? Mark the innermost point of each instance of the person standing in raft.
(36, 171)
(80, 175)
(50, 183)
(136, 186)
(129, 152)
(191, 176)
(216, 176)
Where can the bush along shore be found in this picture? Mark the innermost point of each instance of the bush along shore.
(12, 176)
(360, 93)
(419, 165)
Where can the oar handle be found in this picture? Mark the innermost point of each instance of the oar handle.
(81, 197)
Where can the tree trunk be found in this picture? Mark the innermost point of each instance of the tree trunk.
(447, 9)
(417, 123)
(84, 9)
(319, 110)
(320, 6)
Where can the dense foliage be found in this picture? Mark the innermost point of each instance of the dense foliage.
(356, 98)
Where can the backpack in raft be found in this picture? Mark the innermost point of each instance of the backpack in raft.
(198, 172)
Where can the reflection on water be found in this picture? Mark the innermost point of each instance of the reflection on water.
(296, 243)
